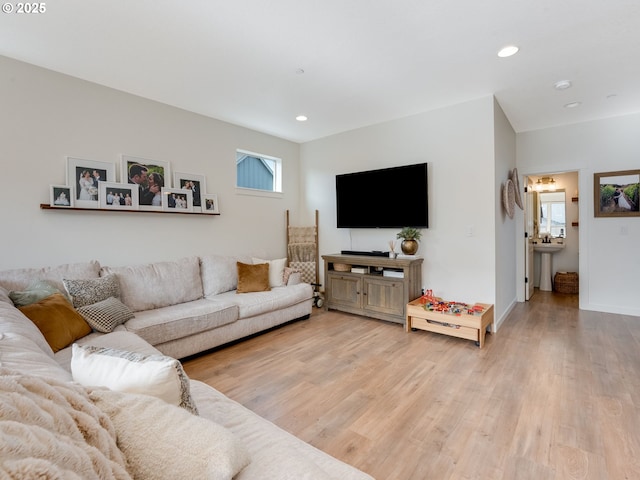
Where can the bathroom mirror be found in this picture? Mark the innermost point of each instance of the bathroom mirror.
(551, 218)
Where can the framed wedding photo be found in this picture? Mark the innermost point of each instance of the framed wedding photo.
(84, 176)
(61, 196)
(193, 182)
(178, 200)
(118, 196)
(210, 204)
(616, 194)
(150, 176)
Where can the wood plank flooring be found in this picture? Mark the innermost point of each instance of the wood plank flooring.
(553, 395)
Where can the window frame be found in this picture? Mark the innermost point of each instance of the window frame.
(277, 175)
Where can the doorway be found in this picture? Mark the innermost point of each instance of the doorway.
(550, 218)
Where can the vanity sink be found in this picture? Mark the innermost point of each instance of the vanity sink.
(548, 247)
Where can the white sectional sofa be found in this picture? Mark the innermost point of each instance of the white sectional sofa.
(210, 316)
(186, 306)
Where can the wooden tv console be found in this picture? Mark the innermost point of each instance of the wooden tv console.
(376, 287)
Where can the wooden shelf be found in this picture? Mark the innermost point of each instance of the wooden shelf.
(47, 206)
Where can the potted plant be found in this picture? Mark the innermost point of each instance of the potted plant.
(410, 237)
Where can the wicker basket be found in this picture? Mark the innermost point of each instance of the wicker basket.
(566, 282)
(341, 267)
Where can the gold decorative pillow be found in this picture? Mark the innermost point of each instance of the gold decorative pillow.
(60, 324)
(253, 278)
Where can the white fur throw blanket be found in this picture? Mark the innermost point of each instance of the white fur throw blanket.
(51, 430)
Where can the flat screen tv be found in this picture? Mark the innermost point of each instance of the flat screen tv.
(393, 197)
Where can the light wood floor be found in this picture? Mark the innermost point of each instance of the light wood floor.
(553, 395)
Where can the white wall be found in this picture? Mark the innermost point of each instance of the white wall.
(47, 116)
(609, 259)
(458, 144)
(505, 227)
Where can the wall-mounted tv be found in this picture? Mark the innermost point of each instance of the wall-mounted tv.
(393, 197)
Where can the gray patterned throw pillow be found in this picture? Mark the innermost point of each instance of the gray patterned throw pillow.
(88, 292)
(106, 315)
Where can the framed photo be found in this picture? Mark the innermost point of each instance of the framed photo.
(193, 182)
(84, 176)
(61, 196)
(178, 200)
(210, 204)
(615, 194)
(118, 196)
(151, 176)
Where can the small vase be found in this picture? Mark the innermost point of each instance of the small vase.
(409, 247)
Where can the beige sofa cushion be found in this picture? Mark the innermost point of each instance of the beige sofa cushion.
(176, 321)
(157, 285)
(257, 303)
(23, 355)
(14, 321)
(220, 273)
(20, 279)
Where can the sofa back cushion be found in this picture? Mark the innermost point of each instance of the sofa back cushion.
(220, 273)
(157, 285)
(20, 279)
(14, 321)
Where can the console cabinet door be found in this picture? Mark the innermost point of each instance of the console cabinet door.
(384, 296)
(345, 290)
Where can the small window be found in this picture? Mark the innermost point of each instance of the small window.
(258, 172)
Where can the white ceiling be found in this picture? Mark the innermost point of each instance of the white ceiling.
(364, 61)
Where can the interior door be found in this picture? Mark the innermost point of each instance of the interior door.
(530, 210)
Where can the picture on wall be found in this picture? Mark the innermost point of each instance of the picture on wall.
(177, 200)
(84, 176)
(616, 193)
(210, 206)
(150, 176)
(61, 196)
(193, 182)
(120, 196)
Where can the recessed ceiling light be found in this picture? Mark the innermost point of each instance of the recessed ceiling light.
(573, 105)
(301, 118)
(562, 85)
(508, 51)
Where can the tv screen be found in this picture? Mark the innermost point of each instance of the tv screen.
(387, 198)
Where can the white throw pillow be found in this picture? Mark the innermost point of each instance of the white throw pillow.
(155, 375)
(162, 442)
(276, 270)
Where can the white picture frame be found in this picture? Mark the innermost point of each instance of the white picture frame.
(126, 195)
(172, 199)
(61, 196)
(210, 204)
(149, 196)
(194, 182)
(88, 195)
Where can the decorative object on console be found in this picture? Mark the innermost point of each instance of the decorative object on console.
(410, 237)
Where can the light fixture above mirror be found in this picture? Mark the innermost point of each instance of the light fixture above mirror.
(546, 184)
